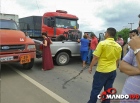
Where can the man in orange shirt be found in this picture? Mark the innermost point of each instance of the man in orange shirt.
(93, 44)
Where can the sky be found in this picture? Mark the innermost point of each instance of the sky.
(94, 15)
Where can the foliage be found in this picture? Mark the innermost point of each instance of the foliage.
(124, 33)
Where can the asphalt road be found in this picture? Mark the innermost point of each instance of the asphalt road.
(37, 86)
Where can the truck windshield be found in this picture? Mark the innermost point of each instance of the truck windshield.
(8, 24)
(65, 23)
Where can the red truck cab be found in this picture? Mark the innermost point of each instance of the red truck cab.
(15, 46)
(59, 23)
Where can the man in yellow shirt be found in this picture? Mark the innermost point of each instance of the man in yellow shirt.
(107, 54)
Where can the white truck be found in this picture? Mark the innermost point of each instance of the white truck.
(9, 17)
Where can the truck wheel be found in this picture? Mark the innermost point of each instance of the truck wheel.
(62, 58)
(28, 66)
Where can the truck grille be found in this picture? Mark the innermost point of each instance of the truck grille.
(4, 48)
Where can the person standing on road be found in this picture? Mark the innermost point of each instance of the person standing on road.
(108, 54)
(47, 56)
(93, 45)
(120, 41)
(88, 37)
(84, 49)
(130, 65)
(132, 33)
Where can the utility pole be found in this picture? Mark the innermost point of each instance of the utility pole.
(131, 25)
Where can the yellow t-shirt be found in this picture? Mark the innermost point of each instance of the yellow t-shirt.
(108, 52)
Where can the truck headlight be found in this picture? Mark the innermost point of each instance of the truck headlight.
(31, 47)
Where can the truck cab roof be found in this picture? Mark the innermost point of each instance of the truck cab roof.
(59, 14)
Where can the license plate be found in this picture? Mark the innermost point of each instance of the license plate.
(25, 59)
(3, 59)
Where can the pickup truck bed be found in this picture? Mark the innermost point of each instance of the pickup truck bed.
(61, 50)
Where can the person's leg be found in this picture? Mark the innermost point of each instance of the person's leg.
(99, 80)
(122, 54)
(85, 53)
(109, 83)
(82, 56)
(81, 53)
(89, 56)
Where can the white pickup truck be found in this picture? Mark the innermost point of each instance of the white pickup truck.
(62, 50)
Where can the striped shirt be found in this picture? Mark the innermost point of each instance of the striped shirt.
(132, 83)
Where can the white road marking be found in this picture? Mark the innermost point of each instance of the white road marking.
(46, 90)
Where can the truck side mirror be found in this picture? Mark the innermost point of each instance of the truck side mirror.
(101, 37)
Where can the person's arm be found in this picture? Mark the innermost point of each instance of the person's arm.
(117, 63)
(96, 42)
(93, 62)
(51, 41)
(138, 59)
(128, 69)
(97, 54)
(45, 43)
(78, 40)
(125, 67)
(126, 64)
(135, 44)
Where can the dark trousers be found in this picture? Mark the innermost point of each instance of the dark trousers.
(122, 54)
(101, 80)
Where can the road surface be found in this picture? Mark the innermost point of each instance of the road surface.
(37, 86)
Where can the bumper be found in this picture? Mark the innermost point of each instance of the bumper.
(4, 58)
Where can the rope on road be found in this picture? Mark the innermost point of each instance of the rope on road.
(74, 77)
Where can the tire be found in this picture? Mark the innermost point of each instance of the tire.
(28, 66)
(62, 58)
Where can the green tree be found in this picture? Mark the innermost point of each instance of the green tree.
(124, 33)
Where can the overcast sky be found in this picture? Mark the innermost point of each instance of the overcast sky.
(94, 15)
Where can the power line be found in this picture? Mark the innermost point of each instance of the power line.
(38, 6)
